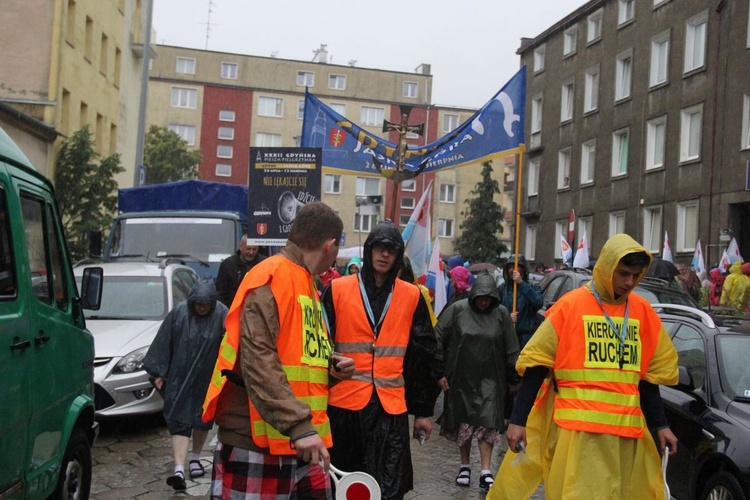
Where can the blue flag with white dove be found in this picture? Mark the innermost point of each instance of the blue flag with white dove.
(495, 130)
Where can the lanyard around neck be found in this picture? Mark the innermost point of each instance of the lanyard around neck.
(621, 333)
(366, 300)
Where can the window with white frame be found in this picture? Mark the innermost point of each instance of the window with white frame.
(229, 70)
(656, 135)
(332, 184)
(616, 222)
(371, 116)
(186, 133)
(447, 193)
(561, 230)
(226, 115)
(657, 3)
(403, 220)
(695, 42)
(539, 58)
(623, 75)
(659, 59)
(364, 223)
(625, 11)
(536, 121)
(226, 133)
(409, 185)
(223, 170)
(183, 97)
(567, 101)
(337, 82)
(300, 109)
(305, 79)
(224, 151)
(691, 120)
(530, 243)
(687, 225)
(652, 229)
(266, 140)
(620, 143)
(594, 26)
(185, 66)
(746, 122)
(585, 225)
(445, 228)
(532, 186)
(570, 41)
(591, 90)
(410, 89)
(271, 106)
(339, 108)
(407, 202)
(588, 161)
(367, 186)
(450, 122)
(563, 169)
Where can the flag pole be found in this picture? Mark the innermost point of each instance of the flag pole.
(519, 171)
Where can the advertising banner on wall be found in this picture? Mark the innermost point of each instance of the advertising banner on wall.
(281, 181)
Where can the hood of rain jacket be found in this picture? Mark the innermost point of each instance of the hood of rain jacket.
(483, 286)
(617, 247)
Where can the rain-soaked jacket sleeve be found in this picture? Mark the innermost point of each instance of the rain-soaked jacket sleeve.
(421, 367)
(157, 359)
(663, 367)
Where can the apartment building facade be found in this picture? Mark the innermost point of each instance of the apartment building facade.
(70, 63)
(638, 114)
(224, 103)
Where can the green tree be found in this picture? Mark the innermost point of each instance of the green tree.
(483, 222)
(167, 157)
(86, 190)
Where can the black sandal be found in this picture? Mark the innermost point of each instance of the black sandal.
(196, 469)
(486, 481)
(464, 476)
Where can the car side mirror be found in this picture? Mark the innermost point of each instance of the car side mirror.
(91, 288)
(685, 379)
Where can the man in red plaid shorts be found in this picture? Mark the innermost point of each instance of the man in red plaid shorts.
(269, 391)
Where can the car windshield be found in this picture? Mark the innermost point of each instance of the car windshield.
(211, 239)
(733, 352)
(131, 297)
(664, 296)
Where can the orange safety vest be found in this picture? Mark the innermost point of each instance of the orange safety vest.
(378, 362)
(595, 395)
(302, 344)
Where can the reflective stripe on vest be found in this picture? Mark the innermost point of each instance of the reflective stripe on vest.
(304, 348)
(594, 394)
(377, 362)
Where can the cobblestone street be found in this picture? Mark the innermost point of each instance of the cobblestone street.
(133, 458)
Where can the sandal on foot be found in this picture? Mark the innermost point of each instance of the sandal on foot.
(177, 482)
(485, 481)
(196, 469)
(464, 476)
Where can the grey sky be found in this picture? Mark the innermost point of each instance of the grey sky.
(471, 44)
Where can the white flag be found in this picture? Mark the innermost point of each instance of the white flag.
(565, 250)
(581, 259)
(666, 252)
(436, 279)
(417, 235)
(733, 250)
(698, 263)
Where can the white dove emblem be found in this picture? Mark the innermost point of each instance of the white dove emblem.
(510, 116)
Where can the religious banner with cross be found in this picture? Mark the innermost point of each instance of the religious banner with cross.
(495, 130)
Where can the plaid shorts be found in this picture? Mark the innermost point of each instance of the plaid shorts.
(244, 474)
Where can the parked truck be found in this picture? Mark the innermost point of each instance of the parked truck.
(200, 222)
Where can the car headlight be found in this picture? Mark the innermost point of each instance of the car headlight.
(131, 362)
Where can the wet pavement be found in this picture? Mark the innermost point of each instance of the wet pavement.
(133, 458)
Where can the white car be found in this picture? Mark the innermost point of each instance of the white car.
(136, 298)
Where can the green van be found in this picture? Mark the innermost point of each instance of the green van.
(47, 422)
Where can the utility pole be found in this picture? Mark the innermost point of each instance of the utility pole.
(144, 92)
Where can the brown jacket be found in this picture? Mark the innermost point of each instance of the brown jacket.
(262, 373)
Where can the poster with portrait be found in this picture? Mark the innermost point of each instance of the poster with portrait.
(281, 181)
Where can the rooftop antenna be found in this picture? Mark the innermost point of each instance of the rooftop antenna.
(208, 22)
(352, 62)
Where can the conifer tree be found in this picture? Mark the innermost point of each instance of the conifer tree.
(483, 222)
(85, 189)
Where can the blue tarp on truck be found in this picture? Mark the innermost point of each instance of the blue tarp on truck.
(185, 195)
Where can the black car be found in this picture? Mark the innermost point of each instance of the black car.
(557, 283)
(709, 410)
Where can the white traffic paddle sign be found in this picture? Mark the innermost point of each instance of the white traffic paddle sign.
(354, 485)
